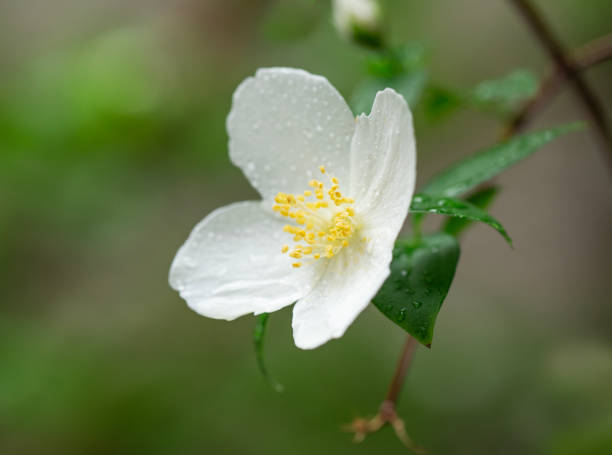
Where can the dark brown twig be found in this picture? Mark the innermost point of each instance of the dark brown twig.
(569, 71)
(387, 413)
(593, 53)
(400, 372)
(587, 56)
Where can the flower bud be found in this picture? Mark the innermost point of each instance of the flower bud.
(359, 21)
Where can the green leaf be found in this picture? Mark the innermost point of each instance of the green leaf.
(409, 85)
(398, 60)
(420, 278)
(439, 102)
(425, 203)
(481, 199)
(258, 338)
(480, 167)
(506, 92)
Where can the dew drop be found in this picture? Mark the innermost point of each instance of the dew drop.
(401, 317)
(417, 304)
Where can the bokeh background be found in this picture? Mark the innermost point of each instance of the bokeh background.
(113, 145)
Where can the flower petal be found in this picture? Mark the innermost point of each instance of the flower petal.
(383, 163)
(348, 284)
(283, 124)
(232, 264)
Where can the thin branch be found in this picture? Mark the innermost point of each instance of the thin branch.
(587, 56)
(387, 413)
(568, 70)
(400, 371)
(593, 53)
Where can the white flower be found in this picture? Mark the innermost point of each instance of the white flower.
(356, 18)
(335, 191)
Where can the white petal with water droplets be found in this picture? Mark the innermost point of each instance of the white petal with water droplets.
(347, 286)
(232, 265)
(283, 124)
(383, 163)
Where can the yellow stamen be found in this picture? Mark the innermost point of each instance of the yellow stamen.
(324, 225)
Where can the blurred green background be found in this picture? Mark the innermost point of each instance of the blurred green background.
(113, 145)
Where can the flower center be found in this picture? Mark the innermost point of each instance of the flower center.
(324, 221)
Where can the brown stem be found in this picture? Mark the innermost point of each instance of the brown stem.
(587, 56)
(386, 413)
(568, 70)
(593, 53)
(400, 371)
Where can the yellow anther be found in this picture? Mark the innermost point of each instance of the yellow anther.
(321, 228)
(297, 265)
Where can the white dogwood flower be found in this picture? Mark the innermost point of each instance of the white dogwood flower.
(335, 192)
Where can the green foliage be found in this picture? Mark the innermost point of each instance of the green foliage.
(480, 167)
(258, 338)
(496, 96)
(421, 275)
(402, 69)
(424, 203)
(481, 199)
(366, 37)
(505, 93)
(439, 102)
